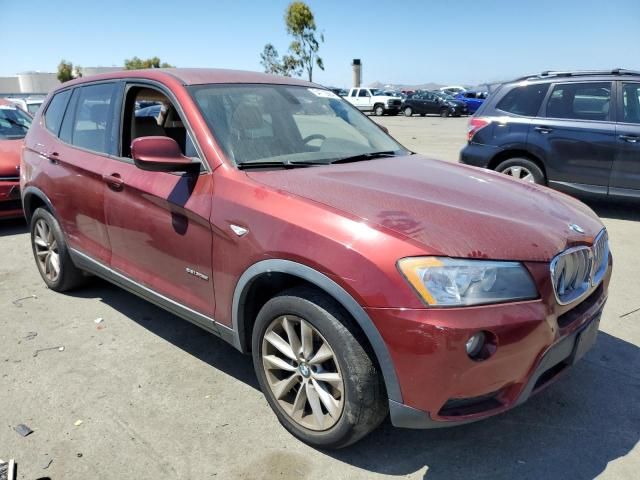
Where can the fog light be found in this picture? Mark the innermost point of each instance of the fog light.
(475, 344)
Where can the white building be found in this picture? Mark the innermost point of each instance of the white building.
(29, 83)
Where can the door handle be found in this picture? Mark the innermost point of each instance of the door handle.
(54, 157)
(543, 130)
(629, 138)
(114, 181)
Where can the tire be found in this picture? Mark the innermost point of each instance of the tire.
(359, 392)
(50, 252)
(444, 112)
(522, 169)
(407, 111)
(378, 110)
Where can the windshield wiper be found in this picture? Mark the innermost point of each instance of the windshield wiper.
(285, 164)
(365, 156)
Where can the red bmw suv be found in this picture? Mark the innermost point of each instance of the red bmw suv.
(364, 280)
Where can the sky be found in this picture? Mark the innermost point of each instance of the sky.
(403, 42)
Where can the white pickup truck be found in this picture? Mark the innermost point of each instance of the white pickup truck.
(373, 100)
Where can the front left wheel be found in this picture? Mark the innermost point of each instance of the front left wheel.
(315, 371)
(51, 253)
(378, 110)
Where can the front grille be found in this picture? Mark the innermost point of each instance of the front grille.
(575, 270)
(395, 103)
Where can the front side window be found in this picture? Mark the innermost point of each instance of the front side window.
(92, 122)
(631, 103)
(524, 100)
(580, 101)
(55, 111)
(363, 93)
(283, 124)
(14, 123)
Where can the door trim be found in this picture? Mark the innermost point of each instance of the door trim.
(579, 187)
(84, 262)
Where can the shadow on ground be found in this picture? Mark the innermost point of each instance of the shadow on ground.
(192, 339)
(13, 227)
(588, 418)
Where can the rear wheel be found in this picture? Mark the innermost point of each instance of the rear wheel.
(316, 375)
(51, 253)
(408, 111)
(522, 169)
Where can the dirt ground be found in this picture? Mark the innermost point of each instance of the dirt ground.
(145, 395)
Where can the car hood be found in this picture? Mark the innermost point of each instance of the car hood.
(10, 157)
(448, 209)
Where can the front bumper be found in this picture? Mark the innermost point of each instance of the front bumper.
(10, 202)
(441, 386)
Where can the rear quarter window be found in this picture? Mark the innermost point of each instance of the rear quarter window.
(524, 100)
(55, 111)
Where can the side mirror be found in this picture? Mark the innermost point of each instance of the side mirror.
(160, 154)
(384, 129)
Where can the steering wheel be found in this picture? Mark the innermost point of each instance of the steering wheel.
(315, 136)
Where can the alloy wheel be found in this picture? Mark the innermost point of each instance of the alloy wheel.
(303, 373)
(521, 173)
(46, 248)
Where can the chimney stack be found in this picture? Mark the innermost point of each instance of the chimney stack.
(357, 72)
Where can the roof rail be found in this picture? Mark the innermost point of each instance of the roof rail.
(577, 73)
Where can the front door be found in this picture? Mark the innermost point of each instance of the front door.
(625, 176)
(158, 222)
(576, 136)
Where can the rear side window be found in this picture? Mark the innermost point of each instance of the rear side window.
(55, 111)
(93, 117)
(580, 101)
(524, 100)
(631, 103)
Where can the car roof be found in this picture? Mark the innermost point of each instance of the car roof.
(576, 76)
(195, 76)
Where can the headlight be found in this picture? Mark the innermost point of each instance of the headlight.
(450, 282)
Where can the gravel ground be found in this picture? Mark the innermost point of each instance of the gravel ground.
(143, 394)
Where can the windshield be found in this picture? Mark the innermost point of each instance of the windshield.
(33, 107)
(14, 123)
(285, 124)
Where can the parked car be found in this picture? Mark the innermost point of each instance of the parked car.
(424, 103)
(14, 124)
(373, 100)
(453, 90)
(364, 280)
(341, 92)
(574, 131)
(472, 100)
(28, 104)
(151, 111)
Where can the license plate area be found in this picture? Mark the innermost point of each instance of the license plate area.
(585, 339)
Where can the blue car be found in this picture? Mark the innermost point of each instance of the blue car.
(473, 100)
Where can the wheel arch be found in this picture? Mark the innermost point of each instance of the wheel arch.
(516, 153)
(243, 312)
(34, 198)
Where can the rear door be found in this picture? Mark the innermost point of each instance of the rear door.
(158, 222)
(76, 160)
(575, 134)
(625, 176)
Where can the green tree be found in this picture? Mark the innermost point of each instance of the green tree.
(66, 71)
(270, 60)
(303, 50)
(136, 63)
(301, 25)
